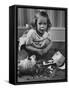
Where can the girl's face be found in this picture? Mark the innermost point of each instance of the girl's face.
(41, 24)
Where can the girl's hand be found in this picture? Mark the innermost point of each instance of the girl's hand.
(45, 42)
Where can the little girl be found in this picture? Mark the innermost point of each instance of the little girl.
(37, 39)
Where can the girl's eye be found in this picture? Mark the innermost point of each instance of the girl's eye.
(45, 23)
(40, 23)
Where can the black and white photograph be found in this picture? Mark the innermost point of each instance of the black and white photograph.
(41, 45)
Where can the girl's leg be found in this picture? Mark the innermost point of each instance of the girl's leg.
(48, 55)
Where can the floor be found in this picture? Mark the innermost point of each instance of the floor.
(57, 74)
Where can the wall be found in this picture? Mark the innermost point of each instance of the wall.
(57, 18)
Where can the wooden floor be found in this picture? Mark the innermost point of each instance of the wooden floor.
(59, 74)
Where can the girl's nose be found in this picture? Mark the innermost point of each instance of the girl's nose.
(42, 25)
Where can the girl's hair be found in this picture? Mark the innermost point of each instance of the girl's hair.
(44, 14)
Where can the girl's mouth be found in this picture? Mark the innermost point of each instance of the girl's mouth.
(42, 29)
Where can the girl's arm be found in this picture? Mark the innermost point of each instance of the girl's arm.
(22, 41)
(33, 48)
(40, 51)
(25, 39)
